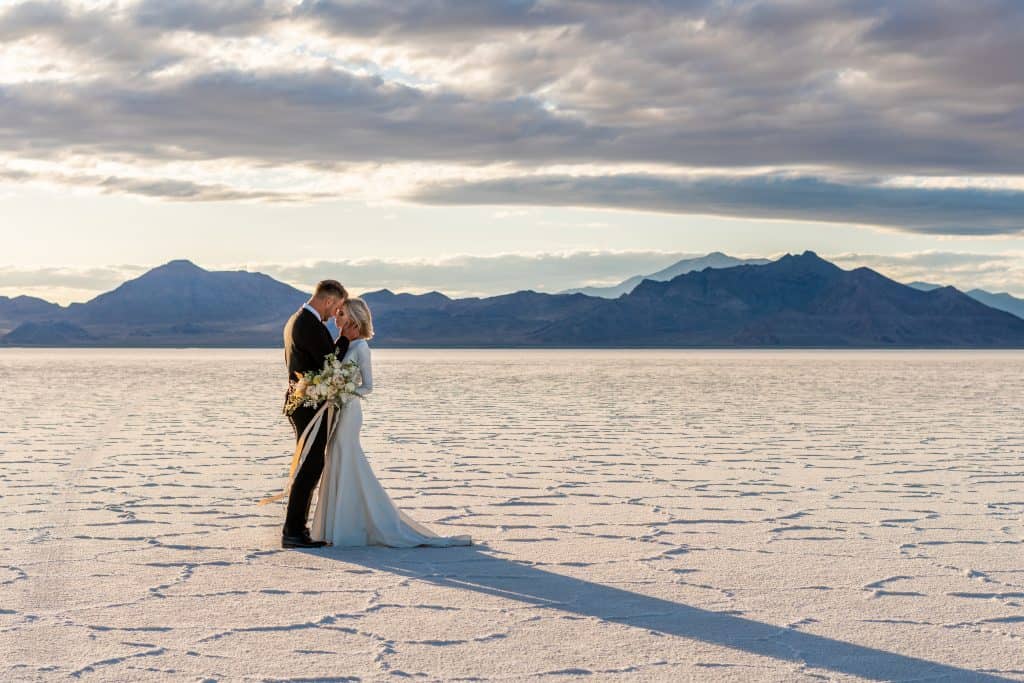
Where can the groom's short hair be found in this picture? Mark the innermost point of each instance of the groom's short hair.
(330, 288)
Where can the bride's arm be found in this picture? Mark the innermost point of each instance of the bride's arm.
(365, 369)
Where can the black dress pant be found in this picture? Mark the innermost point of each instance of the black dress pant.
(309, 474)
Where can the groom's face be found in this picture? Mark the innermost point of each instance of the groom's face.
(337, 310)
(327, 305)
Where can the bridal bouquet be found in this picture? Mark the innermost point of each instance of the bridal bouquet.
(336, 383)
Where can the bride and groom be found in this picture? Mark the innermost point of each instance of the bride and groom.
(352, 509)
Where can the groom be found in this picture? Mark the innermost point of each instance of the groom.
(306, 341)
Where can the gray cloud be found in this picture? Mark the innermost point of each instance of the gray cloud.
(435, 18)
(99, 36)
(170, 189)
(185, 190)
(935, 261)
(844, 86)
(922, 87)
(957, 211)
(99, 279)
(207, 16)
(318, 116)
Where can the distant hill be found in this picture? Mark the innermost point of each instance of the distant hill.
(21, 306)
(48, 334)
(181, 292)
(176, 304)
(796, 301)
(715, 259)
(385, 301)
(1002, 301)
(924, 286)
(506, 320)
(19, 309)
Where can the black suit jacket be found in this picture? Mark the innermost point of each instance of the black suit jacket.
(306, 342)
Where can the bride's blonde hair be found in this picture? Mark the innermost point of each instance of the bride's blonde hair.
(359, 312)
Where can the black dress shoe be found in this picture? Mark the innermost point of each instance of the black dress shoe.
(300, 540)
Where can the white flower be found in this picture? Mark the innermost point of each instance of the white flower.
(350, 387)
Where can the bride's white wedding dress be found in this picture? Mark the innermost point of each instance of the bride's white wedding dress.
(352, 508)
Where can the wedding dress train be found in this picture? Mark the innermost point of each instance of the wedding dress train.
(352, 508)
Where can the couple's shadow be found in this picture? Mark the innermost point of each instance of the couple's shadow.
(478, 568)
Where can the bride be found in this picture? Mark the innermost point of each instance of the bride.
(353, 509)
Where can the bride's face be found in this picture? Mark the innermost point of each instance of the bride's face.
(341, 317)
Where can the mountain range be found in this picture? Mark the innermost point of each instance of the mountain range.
(715, 259)
(25, 308)
(795, 301)
(176, 304)
(1002, 300)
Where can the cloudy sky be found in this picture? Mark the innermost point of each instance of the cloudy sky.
(480, 147)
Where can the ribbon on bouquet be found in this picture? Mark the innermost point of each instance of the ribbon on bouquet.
(303, 447)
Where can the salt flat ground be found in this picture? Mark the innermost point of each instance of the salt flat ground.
(640, 515)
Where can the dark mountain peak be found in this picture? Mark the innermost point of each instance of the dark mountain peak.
(946, 292)
(809, 262)
(24, 299)
(653, 287)
(386, 300)
(714, 260)
(807, 256)
(178, 267)
(22, 307)
(181, 292)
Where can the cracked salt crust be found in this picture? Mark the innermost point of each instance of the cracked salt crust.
(640, 515)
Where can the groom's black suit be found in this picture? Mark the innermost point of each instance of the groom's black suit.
(306, 342)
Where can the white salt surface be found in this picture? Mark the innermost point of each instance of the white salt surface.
(750, 516)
